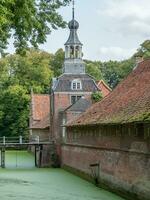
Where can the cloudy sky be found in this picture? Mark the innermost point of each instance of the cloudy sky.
(109, 29)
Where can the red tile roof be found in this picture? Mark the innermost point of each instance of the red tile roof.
(40, 111)
(104, 88)
(128, 102)
(43, 123)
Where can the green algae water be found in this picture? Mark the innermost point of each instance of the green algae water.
(22, 181)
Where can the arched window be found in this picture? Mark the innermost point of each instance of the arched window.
(71, 51)
(77, 52)
(67, 52)
(76, 84)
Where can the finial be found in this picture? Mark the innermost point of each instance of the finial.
(73, 8)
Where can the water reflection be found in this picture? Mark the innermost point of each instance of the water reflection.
(19, 159)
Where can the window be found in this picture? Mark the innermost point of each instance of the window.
(74, 99)
(78, 97)
(72, 52)
(77, 52)
(76, 85)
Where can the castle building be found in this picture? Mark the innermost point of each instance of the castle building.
(110, 141)
(74, 82)
(70, 93)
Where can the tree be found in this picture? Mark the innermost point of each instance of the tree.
(18, 75)
(31, 71)
(57, 61)
(96, 96)
(14, 104)
(114, 71)
(144, 50)
(29, 21)
(93, 69)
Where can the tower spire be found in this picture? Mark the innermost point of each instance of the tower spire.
(73, 8)
(73, 48)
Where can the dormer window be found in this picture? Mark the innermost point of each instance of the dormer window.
(76, 85)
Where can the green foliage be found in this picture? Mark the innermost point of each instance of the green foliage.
(144, 50)
(29, 20)
(31, 71)
(14, 103)
(57, 62)
(18, 75)
(114, 71)
(96, 96)
(93, 69)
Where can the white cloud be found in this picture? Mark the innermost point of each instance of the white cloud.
(128, 16)
(115, 53)
(128, 8)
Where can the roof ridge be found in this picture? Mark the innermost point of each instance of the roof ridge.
(119, 106)
(104, 84)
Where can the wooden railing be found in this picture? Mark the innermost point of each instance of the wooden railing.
(24, 140)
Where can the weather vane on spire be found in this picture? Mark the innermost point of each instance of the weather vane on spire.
(73, 8)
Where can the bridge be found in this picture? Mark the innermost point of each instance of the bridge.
(21, 142)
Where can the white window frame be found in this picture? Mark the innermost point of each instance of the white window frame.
(76, 84)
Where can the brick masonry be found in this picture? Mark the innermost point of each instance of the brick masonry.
(61, 102)
(124, 159)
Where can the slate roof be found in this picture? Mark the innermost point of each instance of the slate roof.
(80, 106)
(73, 39)
(64, 83)
(40, 111)
(128, 102)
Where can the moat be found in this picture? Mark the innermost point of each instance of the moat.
(21, 180)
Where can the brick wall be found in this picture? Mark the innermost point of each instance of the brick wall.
(124, 157)
(61, 101)
(42, 133)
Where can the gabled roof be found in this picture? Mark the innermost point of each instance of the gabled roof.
(40, 111)
(128, 102)
(81, 105)
(103, 87)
